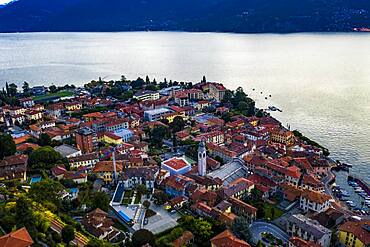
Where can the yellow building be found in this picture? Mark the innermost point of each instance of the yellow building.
(110, 138)
(355, 233)
(105, 170)
(171, 116)
(282, 136)
(73, 106)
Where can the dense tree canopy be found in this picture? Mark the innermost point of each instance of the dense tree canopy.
(142, 237)
(44, 158)
(47, 192)
(7, 146)
(68, 234)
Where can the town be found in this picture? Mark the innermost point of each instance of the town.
(147, 163)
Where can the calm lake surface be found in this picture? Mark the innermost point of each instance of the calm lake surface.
(320, 81)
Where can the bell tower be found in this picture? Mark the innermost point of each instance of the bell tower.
(202, 159)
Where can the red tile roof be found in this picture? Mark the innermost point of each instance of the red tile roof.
(357, 228)
(228, 239)
(19, 238)
(176, 163)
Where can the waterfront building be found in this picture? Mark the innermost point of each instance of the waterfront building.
(355, 233)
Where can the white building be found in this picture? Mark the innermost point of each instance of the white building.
(155, 114)
(309, 230)
(314, 201)
(146, 95)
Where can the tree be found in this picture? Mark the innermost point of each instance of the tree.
(53, 89)
(26, 87)
(141, 189)
(272, 213)
(160, 197)
(147, 80)
(47, 191)
(100, 200)
(204, 80)
(240, 228)
(44, 140)
(259, 114)
(7, 146)
(158, 133)
(44, 158)
(177, 124)
(143, 237)
(24, 216)
(146, 204)
(199, 226)
(68, 234)
(13, 90)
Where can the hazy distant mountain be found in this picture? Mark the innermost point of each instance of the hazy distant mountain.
(187, 15)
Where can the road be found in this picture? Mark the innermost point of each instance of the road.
(258, 227)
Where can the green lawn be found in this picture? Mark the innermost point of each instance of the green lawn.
(268, 208)
(49, 95)
(137, 198)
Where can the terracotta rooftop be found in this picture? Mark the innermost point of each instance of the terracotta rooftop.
(18, 238)
(228, 239)
(361, 229)
(176, 163)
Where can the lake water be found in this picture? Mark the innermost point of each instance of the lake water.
(321, 81)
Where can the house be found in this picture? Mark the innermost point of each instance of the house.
(155, 114)
(241, 208)
(77, 177)
(311, 182)
(355, 233)
(239, 188)
(176, 166)
(124, 134)
(67, 151)
(134, 176)
(298, 242)
(281, 135)
(85, 160)
(27, 102)
(329, 218)
(215, 137)
(14, 167)
(227, 238)
(177, 185)
(33, 115)
(58, 172)
(184, 240)
(146, 95)
(216, 91)
(117, 125)
(18, 238)
(100, 225)
(223, 152)
(105, 170)
(73, 106)
(314, 201)
(110, 138)
(308, 229)
(55, 110)
(178, 202)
